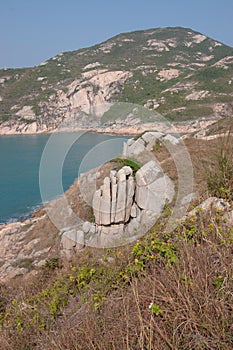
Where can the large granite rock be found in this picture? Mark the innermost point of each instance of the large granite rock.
(126, 207)
(130, 190)
(150, 139)
(113, 180)
(147, 174)
(72, 240)
(96, 206)
(121, 197)
(105, 203)
(133, 147)
(146, 142)
(113, 201)
(169, 138)
(153, 188)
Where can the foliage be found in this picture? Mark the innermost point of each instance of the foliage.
(168, 290)
(120, 111)
(220, 176)
(134, 164)
(136, 137)
(52, 263)
(129, 52)
(155, 309)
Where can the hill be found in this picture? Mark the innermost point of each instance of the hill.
(176, 72)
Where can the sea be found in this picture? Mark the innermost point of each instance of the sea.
(30, 163)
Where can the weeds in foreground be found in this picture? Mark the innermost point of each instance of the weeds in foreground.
(220, 176)
(167, 291)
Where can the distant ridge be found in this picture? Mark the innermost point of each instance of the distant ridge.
(175, 71)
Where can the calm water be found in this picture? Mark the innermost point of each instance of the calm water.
(70, 153)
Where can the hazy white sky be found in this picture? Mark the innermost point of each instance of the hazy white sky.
(32, 31)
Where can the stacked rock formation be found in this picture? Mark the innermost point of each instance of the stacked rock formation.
(125, 206)
(112, 203)
(134, 147)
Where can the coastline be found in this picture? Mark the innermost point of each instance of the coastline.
(181, 128)
(30, 209)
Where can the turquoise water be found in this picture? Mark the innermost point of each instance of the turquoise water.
(20, 158)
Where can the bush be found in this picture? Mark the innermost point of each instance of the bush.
(220, 176)
(52, 263)
(134, 164)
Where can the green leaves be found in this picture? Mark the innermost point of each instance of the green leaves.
(155, 309)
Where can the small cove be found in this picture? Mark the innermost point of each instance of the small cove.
(20, 158)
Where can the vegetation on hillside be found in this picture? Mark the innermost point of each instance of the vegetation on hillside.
(138, 52)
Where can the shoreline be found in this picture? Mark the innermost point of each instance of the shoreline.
(32, 211)
(126, 131)
(31, 214)
(181, 128)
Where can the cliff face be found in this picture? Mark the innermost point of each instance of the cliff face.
(86, 100)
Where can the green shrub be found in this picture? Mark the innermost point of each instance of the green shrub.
(52, 263)
(220, 176)
(134, 164)
(140, 135)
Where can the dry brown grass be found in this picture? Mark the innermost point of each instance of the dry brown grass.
(192, 298)
(195, 297)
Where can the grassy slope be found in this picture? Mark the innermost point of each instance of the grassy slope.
(166, 291)
(24, 88)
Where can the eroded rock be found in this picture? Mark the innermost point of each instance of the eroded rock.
(146, 142)
(131, 205)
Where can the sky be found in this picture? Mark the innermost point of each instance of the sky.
(32, 31)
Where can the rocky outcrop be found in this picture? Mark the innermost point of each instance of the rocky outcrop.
(23, 247)
(146, 142)
(81, 106)
(125, 206)
(223, 109)
(92, 93)
(72, 240)
(168, 74)
(113, 201)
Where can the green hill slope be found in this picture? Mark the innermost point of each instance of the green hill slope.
(177, 71)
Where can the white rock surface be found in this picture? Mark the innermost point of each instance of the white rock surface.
(96, 206)
(148, 173)
(130, 189)
(121, 197)
(133, 212)
(133, 147)
(86, 226)
(105, 203)
(72, 240)
(150, 138)
(114, 196)
(173, 140)
(69, 239)
(153, 188)
(132, 205)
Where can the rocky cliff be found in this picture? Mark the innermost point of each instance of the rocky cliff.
(125, 204)
(112, 205)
